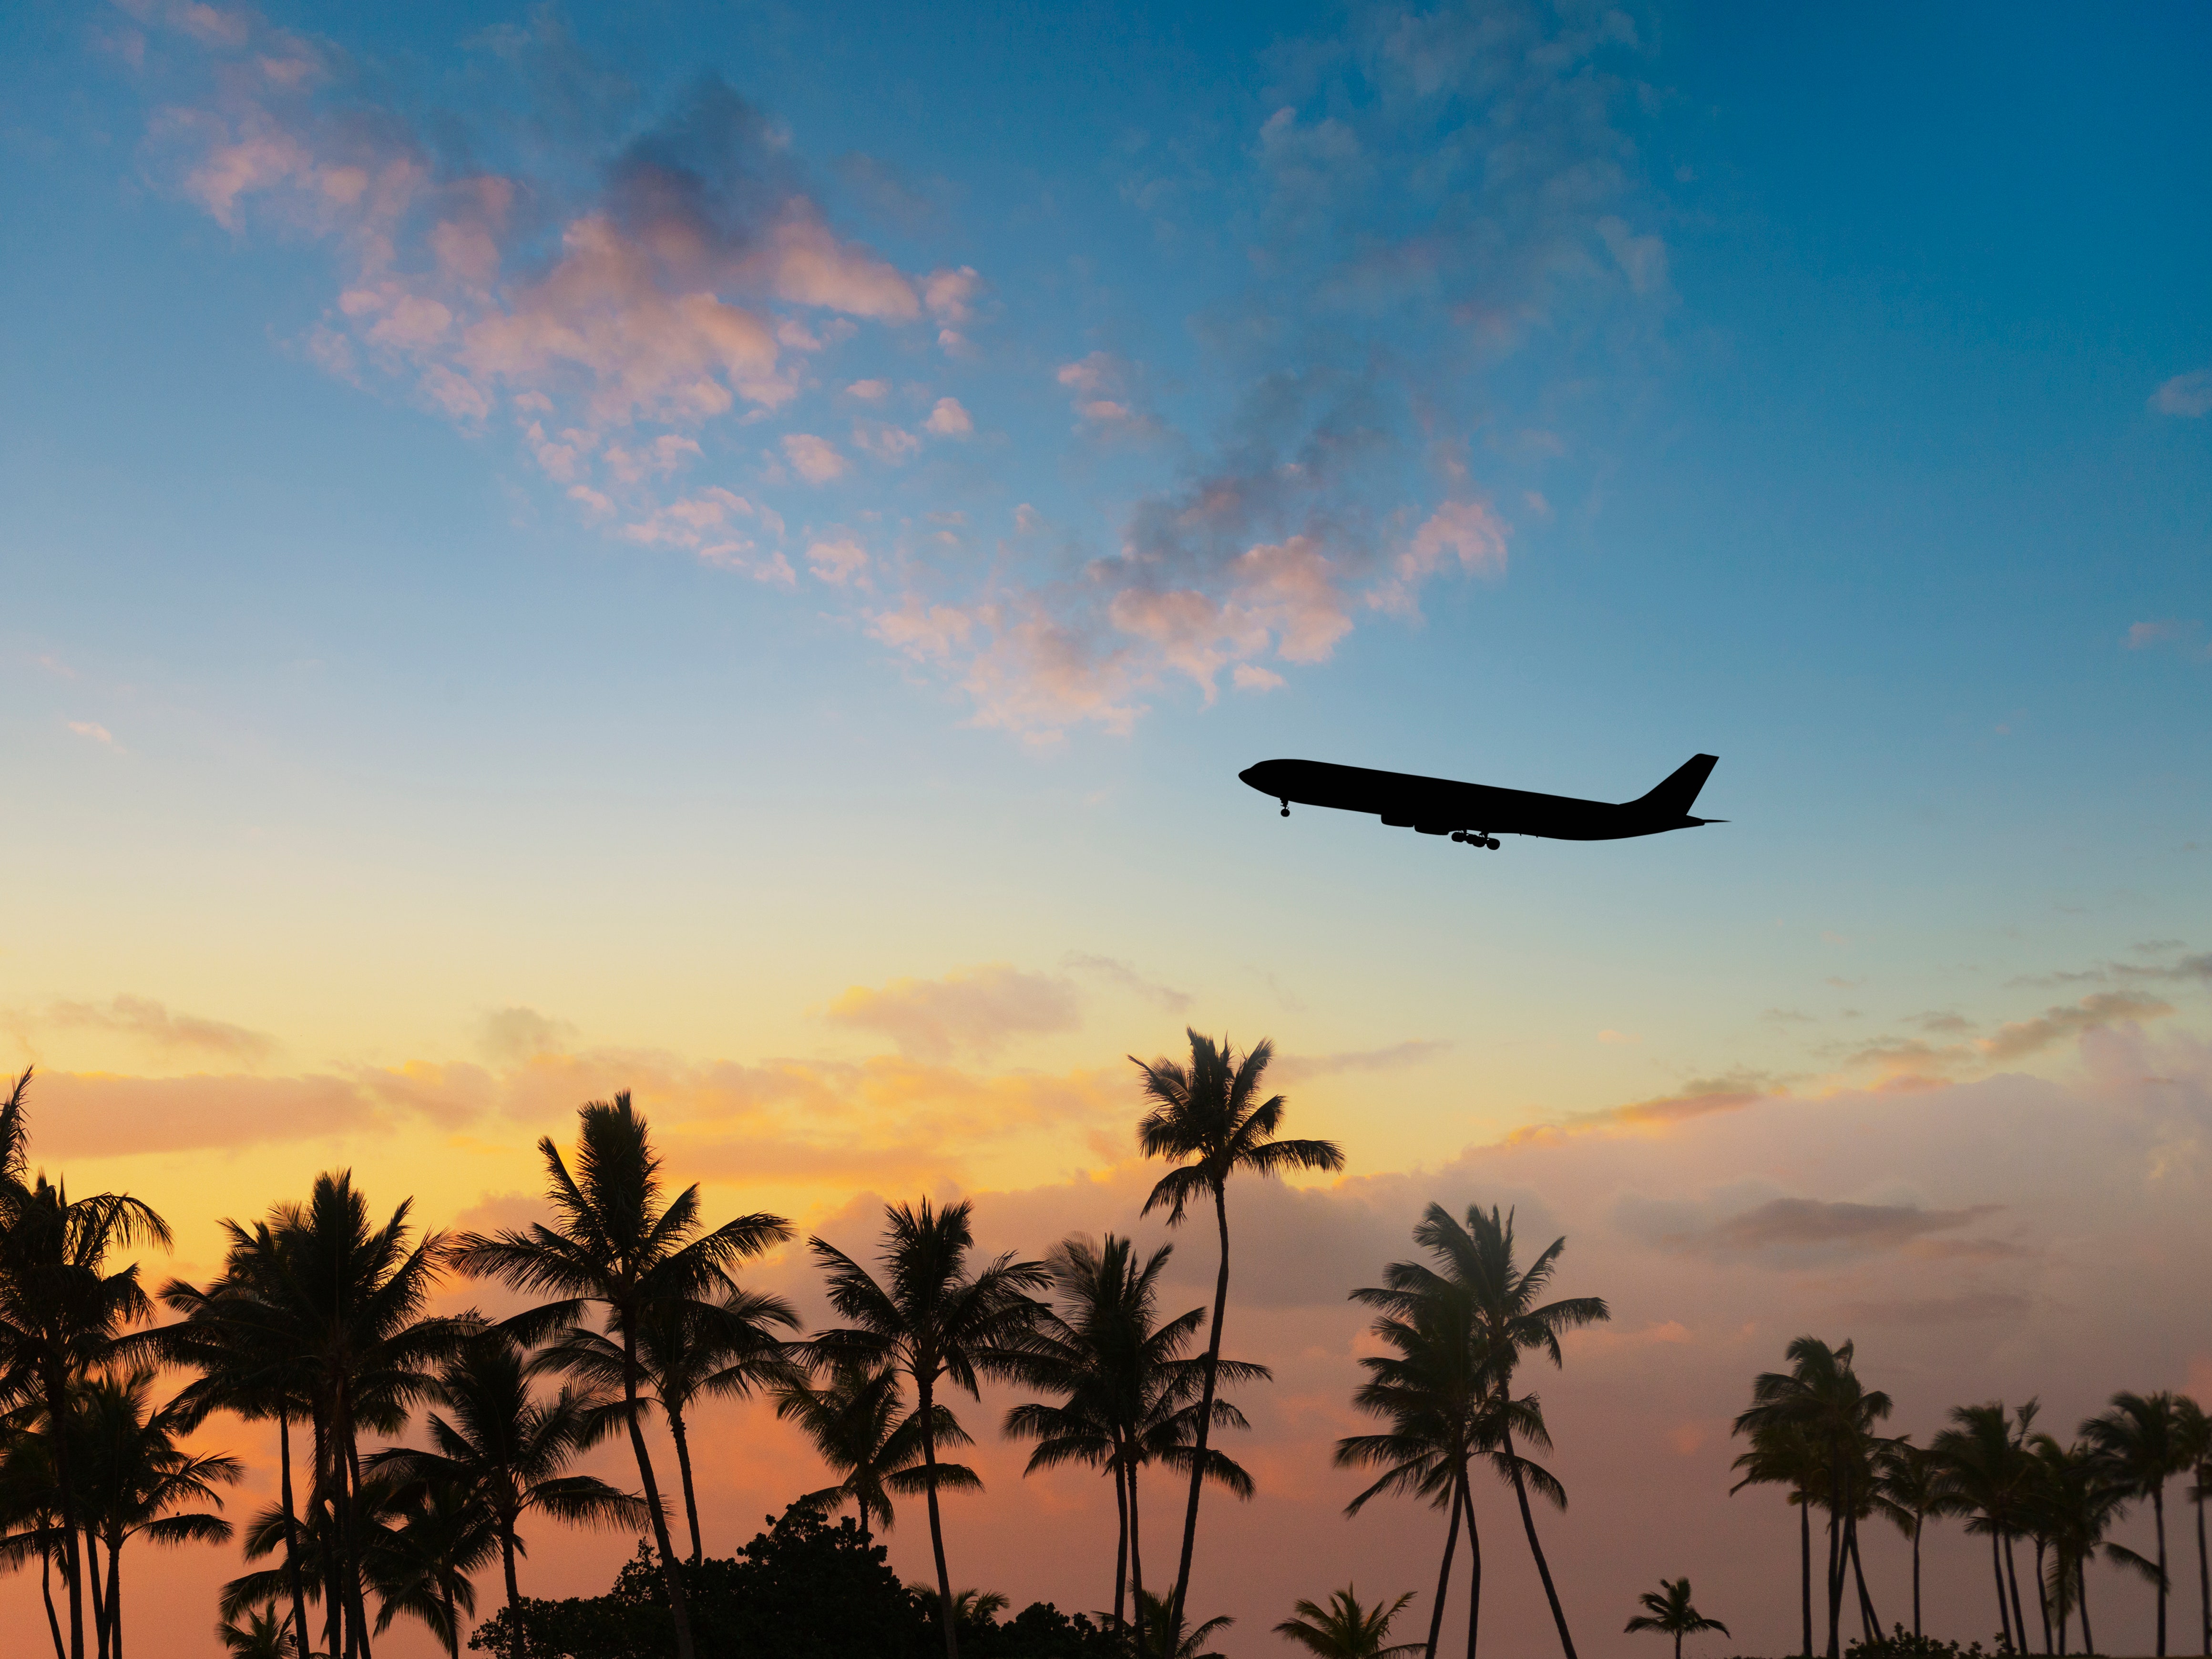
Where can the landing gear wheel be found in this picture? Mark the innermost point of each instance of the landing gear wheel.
(1491, 844)
(1459, 835)
(1286, 809)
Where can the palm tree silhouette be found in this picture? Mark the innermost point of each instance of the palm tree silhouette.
(1909, 1488)
(1344, 1630)
(2139, 1436)
(860, 1427)
(1985, 1466)
(2074, 1499)
(508, 1449)
(2192, 1436)
(1437, 1390)
(30, 1514)
(1207, 1117)
(1782, 1455)
(1668, 1610)
(263, 1635)
(62, 1312)
(1822, 1396)
(439, 1533)
(1128, 1397)
(618, 1248)
(688, 1355)
(1163, 1634)
(935, 1322)
(1509, 1321)
(136, 1479)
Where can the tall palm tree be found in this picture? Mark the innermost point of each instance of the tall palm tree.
(1207, 1118)
(1344, 1630)
(1668, 1610)
(137, 1480)
(2193, 1438)
(2140, 1436)
(62, 1313)
(687, 1354)
(1128, 1396)
(618, 1248)
(1909, 1489)
(935, 1322)
(1782, 1455)
(495, 1439)
(1985, 1469)
(1511, 1319)
(1822, 1396)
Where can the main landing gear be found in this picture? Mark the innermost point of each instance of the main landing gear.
(1286, 807)
(1476, 838)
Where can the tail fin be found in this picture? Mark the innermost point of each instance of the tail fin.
(1679, 793)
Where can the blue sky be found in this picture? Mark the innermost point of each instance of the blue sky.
(1100, 400)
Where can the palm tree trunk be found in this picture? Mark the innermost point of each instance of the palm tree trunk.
(2018, 1619)
(2042, 1601)
(352, 1483)
(319, 1505)
(1870, 1620)
(1443, 1574)
(1475, 1560)
(2158, 1509)
(513, 1593)
(1918, 1522)
(1997, 1565)
(1120, 1539)
(1204, 1404)
(679, 1609)
(291, 1530)
(683, 1467)
(2082, 1582)
(1805, 1567)
(925, 1395)
(65, 1492)
(93, 1577)
(46, 1589)
(453, 1619)
(2203, 1571)
(1543, 1567)
(1839, 1488)
(115, 1598)
(1136, 1561)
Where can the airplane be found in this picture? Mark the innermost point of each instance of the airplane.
(1477, 813)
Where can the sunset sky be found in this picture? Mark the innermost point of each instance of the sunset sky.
(736, 552)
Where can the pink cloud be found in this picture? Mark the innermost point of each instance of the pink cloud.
(949, 420)
(815, 460)
(2188, 396)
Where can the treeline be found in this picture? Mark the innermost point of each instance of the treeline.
(1813, 1430)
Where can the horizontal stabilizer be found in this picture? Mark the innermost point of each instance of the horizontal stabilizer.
(1679, 793)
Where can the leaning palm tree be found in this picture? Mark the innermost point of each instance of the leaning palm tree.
(138, 1482)
(1822, 1395)
(1207, 1118)
(616, 1246)
(1668, 1610)
(1127, 1395)
(687, 1354)
(935, 1322)
(1509, 1319)
(1344, 1630)
(62, 1313)
(494, 1438)
(2139, 1436)
(1909, 1489)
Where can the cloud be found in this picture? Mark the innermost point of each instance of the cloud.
(93, 731)
(78, 1115)
(815, 460)
(872, 392)
(2144, 635)
(2185, 395)
(1117, 972)
(1802, 1231)
(143, 1020)
(2024, 1037)
(973, 1010)
(947, 419)
(1301, 1068)
(516, 1033)
(841, 562)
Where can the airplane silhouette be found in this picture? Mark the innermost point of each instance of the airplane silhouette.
(1477, 813)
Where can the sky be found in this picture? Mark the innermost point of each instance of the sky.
(737, 552)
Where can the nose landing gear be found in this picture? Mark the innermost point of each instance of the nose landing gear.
(1286, 807)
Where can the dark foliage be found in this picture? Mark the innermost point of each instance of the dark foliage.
(1902, 1644)
(805, 1588)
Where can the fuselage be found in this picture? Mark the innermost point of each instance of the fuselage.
(1437, 806)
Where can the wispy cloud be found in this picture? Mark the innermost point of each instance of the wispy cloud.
(145, 1021)
(2188, 396)
(971, 1010)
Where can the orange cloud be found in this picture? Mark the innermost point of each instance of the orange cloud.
(972, 1009)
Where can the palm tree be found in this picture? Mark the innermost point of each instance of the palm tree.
(62, 1313)
(1668, 1610)
(1909, 1488)
(1985, 1469)
(1437, 1389)
(263, 1635)
(1163, 1635)
(1344, 1630)
(137, 1479)
(687, 1355)
(1821, 1394)
(1509, 1320)
(2192, 1436)
(496, 1441)
(1204, 1118)
(439, 1534)
(860, 1425)
(618, 1248)
(30, 1512)
(1128, 1396)
(1782, 1455)
(937, 1324)
(2140, 1436)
